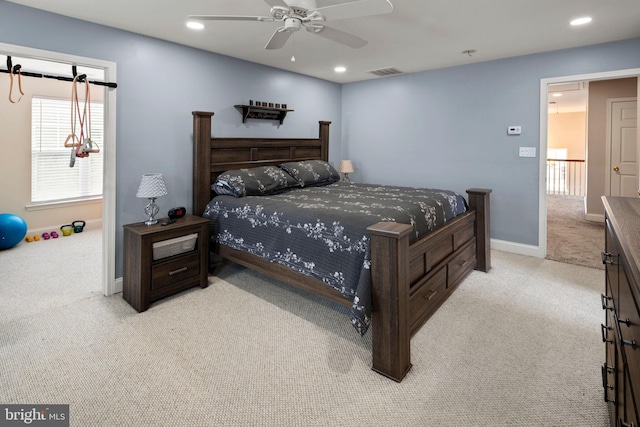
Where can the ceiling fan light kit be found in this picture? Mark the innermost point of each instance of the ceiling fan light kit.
(295, 14)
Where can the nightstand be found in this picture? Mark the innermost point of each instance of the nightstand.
(162, 260)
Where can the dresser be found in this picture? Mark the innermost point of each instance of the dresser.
(621, 303)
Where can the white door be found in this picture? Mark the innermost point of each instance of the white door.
(624, 162)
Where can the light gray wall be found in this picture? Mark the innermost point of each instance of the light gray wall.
(159, 85)
(444, 128)
(448, 128)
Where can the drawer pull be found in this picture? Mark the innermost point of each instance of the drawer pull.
(626, 321)
(623, 424)
(605, 258)
(605, 383)
(631, 344)
(604, 298)
(463, 263)
(428, 297)
(604, 330)
(180, 270)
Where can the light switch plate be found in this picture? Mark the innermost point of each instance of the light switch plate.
(527, 151)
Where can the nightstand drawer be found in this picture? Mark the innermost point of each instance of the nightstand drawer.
(171, 272)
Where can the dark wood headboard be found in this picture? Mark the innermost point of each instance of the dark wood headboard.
(213, 156)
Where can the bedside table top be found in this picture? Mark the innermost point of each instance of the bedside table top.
(142, 229)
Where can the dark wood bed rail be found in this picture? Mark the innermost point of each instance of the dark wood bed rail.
(410, 280)
(405, 275)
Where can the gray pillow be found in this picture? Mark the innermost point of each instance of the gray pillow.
(259, 181)
(312, 173)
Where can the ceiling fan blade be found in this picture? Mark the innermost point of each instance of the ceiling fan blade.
(338, 36)
(273, 3)
(278, 39)
(230, 18)
(355, 9)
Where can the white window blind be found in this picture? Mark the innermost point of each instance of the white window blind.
(52, 179)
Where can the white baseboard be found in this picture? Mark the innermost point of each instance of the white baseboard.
(594, 217)
(89, 225)
(517, 248)
(117, 286)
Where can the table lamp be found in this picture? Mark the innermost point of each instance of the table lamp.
(151, 187)
(346, 167)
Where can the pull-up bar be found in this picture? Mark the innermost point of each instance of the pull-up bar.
(81, 78)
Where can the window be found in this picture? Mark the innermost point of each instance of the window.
(52, 179)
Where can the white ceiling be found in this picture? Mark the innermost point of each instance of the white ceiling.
(418, 35)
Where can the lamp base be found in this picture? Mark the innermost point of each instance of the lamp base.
(152, 210)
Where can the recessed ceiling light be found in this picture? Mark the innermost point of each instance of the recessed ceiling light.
(340, 69)
(581, 21)
(557, 94)
(195, 25)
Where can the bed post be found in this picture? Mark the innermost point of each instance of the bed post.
(479, 201)
(201, 161)
(323, 134)
(390, 299)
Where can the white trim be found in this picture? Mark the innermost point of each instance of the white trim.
(63, 203)
(109, 178)
(92, 224)
(516, 248)
(542, 185)
(594, 217)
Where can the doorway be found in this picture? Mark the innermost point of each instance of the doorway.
(544, 144)
(109, 167)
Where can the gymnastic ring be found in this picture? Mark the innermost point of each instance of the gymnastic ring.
(66, 229)
(78, 226)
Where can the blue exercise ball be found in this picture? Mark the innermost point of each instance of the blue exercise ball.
(12, 230)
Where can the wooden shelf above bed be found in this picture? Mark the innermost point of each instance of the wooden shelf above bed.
(263, 113)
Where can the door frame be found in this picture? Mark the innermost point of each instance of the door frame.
(109, 151)
(541, 250)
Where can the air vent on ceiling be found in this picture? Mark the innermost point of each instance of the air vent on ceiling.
(390, 71)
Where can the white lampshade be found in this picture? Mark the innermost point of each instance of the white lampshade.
(152, 186)
(346, 166)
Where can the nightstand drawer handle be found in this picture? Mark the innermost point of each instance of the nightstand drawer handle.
(180, 270)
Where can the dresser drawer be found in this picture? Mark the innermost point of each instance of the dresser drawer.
(176, 270)
(629, 326)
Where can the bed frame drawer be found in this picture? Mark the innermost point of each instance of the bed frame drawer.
(428, 295)
(462, 263)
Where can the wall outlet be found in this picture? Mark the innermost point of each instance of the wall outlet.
(527, 151)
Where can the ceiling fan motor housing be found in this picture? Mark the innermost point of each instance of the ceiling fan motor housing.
(292, 24)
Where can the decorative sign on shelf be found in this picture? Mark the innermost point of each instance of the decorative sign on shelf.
(266, 104)
(263, 110)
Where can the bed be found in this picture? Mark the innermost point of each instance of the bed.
(410, 276)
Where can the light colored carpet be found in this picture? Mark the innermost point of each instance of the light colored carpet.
(571, 238)
(50, 273)
(519, 345)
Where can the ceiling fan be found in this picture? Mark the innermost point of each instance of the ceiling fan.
(296, 14)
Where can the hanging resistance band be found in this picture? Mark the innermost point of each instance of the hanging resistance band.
(15, 70)
(82, 145)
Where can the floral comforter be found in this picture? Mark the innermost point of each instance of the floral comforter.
(322, 231)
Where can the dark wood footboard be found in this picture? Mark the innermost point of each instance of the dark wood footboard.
(409, 281)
